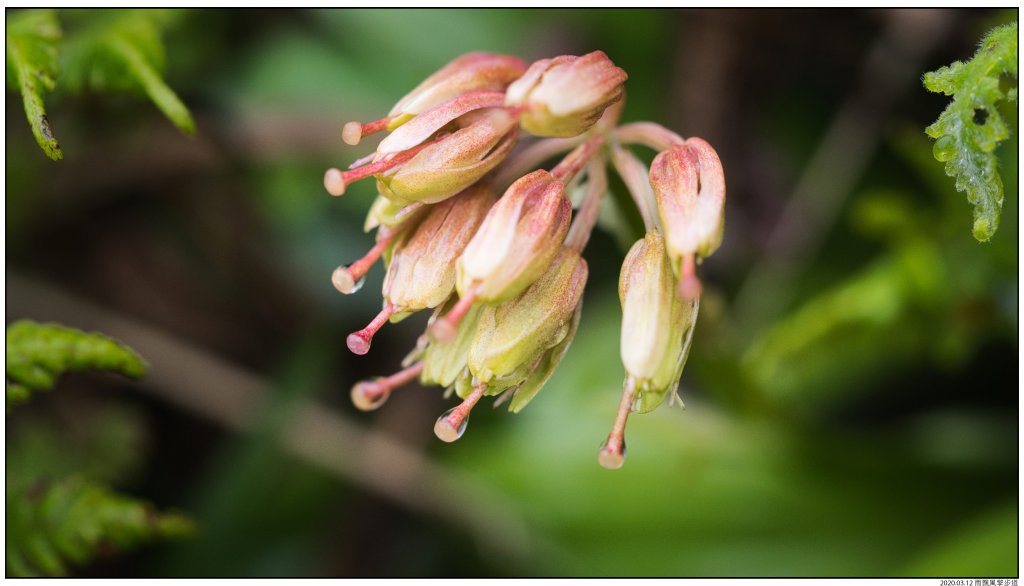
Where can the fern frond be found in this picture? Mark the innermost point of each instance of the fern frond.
(32, 52)
(72, 521)
(37, 354)
(970, 128)
(123, 50)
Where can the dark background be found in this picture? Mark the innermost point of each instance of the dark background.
(851, 394)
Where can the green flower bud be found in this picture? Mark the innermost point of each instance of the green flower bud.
(421, 273)
(445, 362)
(565, 96)
(512, 336)
(657, 324)
(517, 240)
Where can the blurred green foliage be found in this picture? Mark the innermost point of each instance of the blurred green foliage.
(37, 354)
(112, 51)
(59, 510)
(970, 128)
(870, 429)
(32, 38)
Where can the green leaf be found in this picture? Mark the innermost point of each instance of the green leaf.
(32, 38)
(970, 128)
(123, 51)
(37, 354)
(51, 526)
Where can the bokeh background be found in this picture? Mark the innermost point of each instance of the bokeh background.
(851, 395)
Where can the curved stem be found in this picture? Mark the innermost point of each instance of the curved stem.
(586, 217)
(634, 174)
(649, 134)
(531, 158)
(575, 161)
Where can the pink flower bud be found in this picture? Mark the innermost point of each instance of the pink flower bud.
(469, 73)
(517, 240)
(565, 96)
(421, 273)
(454, 162)
(689, 189)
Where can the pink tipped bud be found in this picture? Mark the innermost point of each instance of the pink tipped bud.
(517, 240)
(565, 96)
(469, 73)
(426, 124)
(454, 162)
(689, 189)
(421, 274)
(359, 342)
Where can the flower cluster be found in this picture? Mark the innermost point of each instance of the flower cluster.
(504, 274)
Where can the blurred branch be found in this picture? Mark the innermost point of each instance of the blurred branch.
(230, 396)
(891, 68)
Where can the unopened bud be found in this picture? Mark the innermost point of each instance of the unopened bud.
(689, 188)
(469, 73)
(511, 336)
(545, 366)
(444, 362)
(517, 240)
(454, 162)
(565, 96)
(656, 323)
(421, 273)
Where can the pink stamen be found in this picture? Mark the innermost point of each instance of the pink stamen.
(359, 342)
(613, 453)
(354, 131)
(346, 278)
(335, 181)
(451, 425)
(444, 328)
(689, 285)
(371, 394)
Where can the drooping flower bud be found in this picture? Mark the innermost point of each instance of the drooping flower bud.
(472, 72)
(454, 162)
(421, 273)
(512, 336)
(657, 327)
(565, 96)
(656, 323)
(689, 189)
(468, 73)
(517, 240)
